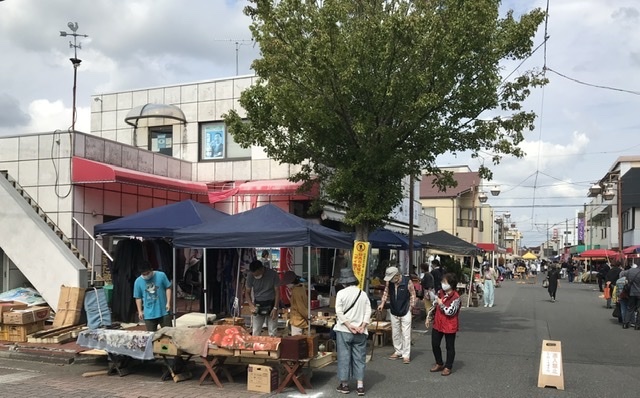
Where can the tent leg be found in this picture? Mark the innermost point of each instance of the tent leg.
(205, 284)
(175, 288)
(309, 290)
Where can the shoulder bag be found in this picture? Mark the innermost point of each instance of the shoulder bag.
(332, 333)
(626, 290)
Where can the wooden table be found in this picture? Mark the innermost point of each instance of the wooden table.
(294, 368)
(176, 367)
(213, 365)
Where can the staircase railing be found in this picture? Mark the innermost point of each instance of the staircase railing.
(46, 219)
(93, 248)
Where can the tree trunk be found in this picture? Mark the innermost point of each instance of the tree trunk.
(362, 232)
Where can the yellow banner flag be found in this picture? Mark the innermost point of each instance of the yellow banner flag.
(359, 261)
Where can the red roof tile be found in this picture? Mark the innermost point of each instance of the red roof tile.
(465, 182)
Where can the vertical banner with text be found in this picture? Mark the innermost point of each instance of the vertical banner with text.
(359, 261)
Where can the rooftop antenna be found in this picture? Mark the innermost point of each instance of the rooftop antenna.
(76, 62)
(238, 43)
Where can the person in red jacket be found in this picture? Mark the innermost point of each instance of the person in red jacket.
(445, 324)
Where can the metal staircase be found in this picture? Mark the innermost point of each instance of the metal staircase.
(41, 213)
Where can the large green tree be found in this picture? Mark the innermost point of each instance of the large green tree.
(363, 93)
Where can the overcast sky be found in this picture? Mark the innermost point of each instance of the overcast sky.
(136, 44)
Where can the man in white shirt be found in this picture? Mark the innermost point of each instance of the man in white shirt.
(353, 312)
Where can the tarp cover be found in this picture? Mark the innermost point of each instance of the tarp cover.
(97, 308)
(161, 222)
(383, 238)
(265, 226)
(445, 242)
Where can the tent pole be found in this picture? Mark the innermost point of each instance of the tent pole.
(332, 287)
(174, 286)
(236, 302)
(205, 284)
(309, 292)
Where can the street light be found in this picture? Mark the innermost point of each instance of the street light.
(76, 62)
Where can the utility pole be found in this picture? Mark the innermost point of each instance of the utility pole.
(238, 43)
(411, 193)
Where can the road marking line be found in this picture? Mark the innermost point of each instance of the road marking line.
(17, 377)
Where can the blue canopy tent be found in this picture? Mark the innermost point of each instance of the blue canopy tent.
(383, 238)
(162, 222)
(265, 226)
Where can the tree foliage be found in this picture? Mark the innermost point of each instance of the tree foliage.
(363, 93)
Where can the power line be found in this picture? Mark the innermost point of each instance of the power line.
(591, 84)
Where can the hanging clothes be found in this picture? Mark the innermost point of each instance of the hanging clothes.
(129, 256)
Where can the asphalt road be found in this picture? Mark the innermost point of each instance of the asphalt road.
(498, 355)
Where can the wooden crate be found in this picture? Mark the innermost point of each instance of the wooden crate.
(257, 354)
(70, 305)
(20, 333)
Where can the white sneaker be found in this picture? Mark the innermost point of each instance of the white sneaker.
(490, 305)
(485, 306)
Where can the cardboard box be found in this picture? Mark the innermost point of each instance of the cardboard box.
(19, 333)
(26, 316)
(70, 304)
(262, 378)
(164, 346)
(10, 306)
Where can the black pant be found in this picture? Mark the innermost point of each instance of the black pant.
(632, 307)
(450, 340)
(152, 324)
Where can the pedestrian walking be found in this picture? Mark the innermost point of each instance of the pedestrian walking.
(445, 324)
(553, 276)
(401, 292)
(428, 287)
(633, 280)
(353, 313)
(489, 282)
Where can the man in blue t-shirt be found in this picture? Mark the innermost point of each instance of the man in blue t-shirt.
(152, 290)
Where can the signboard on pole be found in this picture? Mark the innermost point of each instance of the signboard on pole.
(551, 373)
(359, 261)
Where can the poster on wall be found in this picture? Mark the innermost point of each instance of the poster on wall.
(213, 141)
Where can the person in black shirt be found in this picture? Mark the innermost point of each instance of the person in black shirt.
(437, 272)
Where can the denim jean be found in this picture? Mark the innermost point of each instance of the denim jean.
(258, 320)
(352, 352)
(623, 310)
(489, 292)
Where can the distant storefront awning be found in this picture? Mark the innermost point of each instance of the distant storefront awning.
(491, 247)
(86, 171)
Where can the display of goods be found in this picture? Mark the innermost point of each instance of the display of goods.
(236, 338)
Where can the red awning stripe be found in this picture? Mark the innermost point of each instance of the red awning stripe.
(276, 187)
(86, 171)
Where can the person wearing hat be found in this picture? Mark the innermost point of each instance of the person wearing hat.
(299, 310)
(399, 289)
(353, 312)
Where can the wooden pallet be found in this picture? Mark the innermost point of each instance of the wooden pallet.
(58, 335)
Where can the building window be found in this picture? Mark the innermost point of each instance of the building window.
(161, 140)
(217, 143)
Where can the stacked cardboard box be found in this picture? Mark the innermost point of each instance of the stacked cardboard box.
(21, 322)
(6, 307)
